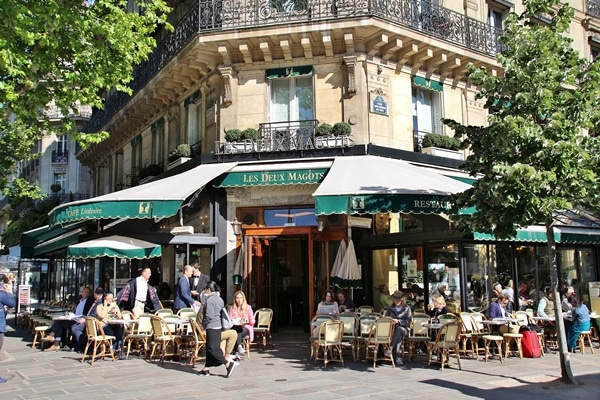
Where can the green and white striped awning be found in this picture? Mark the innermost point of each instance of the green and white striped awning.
(537, 234)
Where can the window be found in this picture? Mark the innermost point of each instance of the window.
(427, 111)
(136, 158)
(291, 94)
(193, 124)
(158, 133)
(594, 48)
(119, 181)
(60, 179)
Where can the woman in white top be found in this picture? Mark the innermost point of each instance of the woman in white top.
(327, 306)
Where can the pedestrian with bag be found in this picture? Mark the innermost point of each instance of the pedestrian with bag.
(211, 322)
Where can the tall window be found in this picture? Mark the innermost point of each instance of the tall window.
(427, 111)
(119, 181)
(291, 94)
(158, 134)
(136, 158)
(60, 179)
(194, 123)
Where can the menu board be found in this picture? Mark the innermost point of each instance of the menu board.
(24, 297)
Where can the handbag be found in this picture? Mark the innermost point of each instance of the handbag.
(226, 322)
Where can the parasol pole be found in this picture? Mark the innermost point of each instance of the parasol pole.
(114, 288)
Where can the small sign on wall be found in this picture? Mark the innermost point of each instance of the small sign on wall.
(411, 269)
(378, 104)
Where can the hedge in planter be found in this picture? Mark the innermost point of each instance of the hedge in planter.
(441, 141)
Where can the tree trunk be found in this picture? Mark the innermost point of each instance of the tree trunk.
(565, 357)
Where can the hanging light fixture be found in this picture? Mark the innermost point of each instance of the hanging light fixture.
(237, 227)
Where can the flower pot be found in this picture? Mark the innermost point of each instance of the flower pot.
(438, 151)
(177, 162)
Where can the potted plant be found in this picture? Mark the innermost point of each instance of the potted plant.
(442, 145)
(323, 130)
(55, 188)
(341, 129)
(179, 155)
(150, 171)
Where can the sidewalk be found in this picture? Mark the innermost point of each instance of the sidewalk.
(286, 372)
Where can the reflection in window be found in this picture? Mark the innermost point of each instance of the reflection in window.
(291, 217)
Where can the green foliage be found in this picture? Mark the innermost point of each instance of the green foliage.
(183, 150)
(65, 54)
(233, 135)
(251, 134)
(30, 219)
(532, 158)
(341, 129)
(441, 141)
(55, 188)
(323, 130)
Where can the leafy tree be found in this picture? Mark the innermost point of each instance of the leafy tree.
(534, 157)
(64, 54)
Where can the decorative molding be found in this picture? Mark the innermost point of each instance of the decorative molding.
(350, 62)
(226, 72)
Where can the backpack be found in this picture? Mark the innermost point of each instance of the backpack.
(226, 322)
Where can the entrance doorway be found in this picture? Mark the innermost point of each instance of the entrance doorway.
(278, 277)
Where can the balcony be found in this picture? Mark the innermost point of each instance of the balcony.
(60, 156)
(68, 197)
(214, 16)
(593, 8)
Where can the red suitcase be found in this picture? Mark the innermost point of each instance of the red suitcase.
(530, 344)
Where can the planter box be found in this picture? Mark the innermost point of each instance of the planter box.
(438, 151)
(177, 162)
(146, 179)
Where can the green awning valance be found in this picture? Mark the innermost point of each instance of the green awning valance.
(562, 234)
(381, 203)
(272, 178)
(428, 83)
(156, 199)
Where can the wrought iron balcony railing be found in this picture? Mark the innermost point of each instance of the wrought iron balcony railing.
(218, 15)
(60, 156)
(593, 8)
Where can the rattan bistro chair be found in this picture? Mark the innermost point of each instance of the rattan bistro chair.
(445, 345)
(98, 340)
(164, 339)
(262, 328)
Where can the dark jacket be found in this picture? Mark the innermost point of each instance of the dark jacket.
(183, 295)
(88, 304)
(126, 298)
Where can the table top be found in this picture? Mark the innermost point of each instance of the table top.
(432, 325)
(117, 321)
(67, 317)
(543, 318)
(495, 322)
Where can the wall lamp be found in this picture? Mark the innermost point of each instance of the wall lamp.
(237, 227)
(320, 223)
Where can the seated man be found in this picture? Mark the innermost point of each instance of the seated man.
(345, 304)
(59, 327)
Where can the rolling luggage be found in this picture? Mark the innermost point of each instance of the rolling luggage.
(530, 344)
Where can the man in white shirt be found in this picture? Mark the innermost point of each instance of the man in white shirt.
(141, 292)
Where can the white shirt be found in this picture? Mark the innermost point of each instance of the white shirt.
(80, 306)
(141, 293)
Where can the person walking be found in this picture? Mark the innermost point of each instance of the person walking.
(212, 304)
(6, 299)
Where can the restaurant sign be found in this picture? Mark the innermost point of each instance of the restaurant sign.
(272, 178)
(284, 141)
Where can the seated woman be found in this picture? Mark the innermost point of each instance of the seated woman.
(243, 318)
(327, 306)
(580, 317)
(438, 306)
(402, 316)
(105, 312)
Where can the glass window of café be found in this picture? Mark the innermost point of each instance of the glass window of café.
(443, 273)
(533, 273)
(485, 264)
